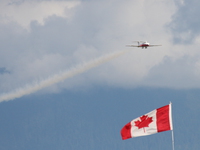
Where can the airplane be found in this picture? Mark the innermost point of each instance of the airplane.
(142, 44)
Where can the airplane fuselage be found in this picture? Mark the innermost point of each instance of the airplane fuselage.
(144, 45)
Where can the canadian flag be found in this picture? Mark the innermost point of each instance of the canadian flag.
(158, 120)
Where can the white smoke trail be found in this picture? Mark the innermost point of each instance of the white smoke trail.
(31, 88)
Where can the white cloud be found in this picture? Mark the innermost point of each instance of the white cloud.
(25, 12)
(185, 23)
(57, 42)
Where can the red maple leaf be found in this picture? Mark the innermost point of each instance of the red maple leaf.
(145, 121)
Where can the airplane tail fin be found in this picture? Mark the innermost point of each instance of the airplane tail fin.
(137, 42)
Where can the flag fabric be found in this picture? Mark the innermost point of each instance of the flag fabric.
(158, 120)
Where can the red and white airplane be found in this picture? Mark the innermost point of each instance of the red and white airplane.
(142, 44)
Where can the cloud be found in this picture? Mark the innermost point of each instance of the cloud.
(24, 12)
(93, 29)
(180, 73)
(185, 23)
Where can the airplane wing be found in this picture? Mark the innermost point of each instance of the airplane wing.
(132, 45)
(154, 45)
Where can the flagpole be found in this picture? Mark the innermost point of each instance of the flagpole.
(172, 140)
(172, 127)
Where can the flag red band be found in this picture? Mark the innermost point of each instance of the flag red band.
(163, 119)
(126, 131)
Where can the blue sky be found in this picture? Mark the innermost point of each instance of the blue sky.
(41, 40)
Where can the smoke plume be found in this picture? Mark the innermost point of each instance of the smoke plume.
(31, 88)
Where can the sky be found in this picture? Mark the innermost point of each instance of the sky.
(68, 81)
